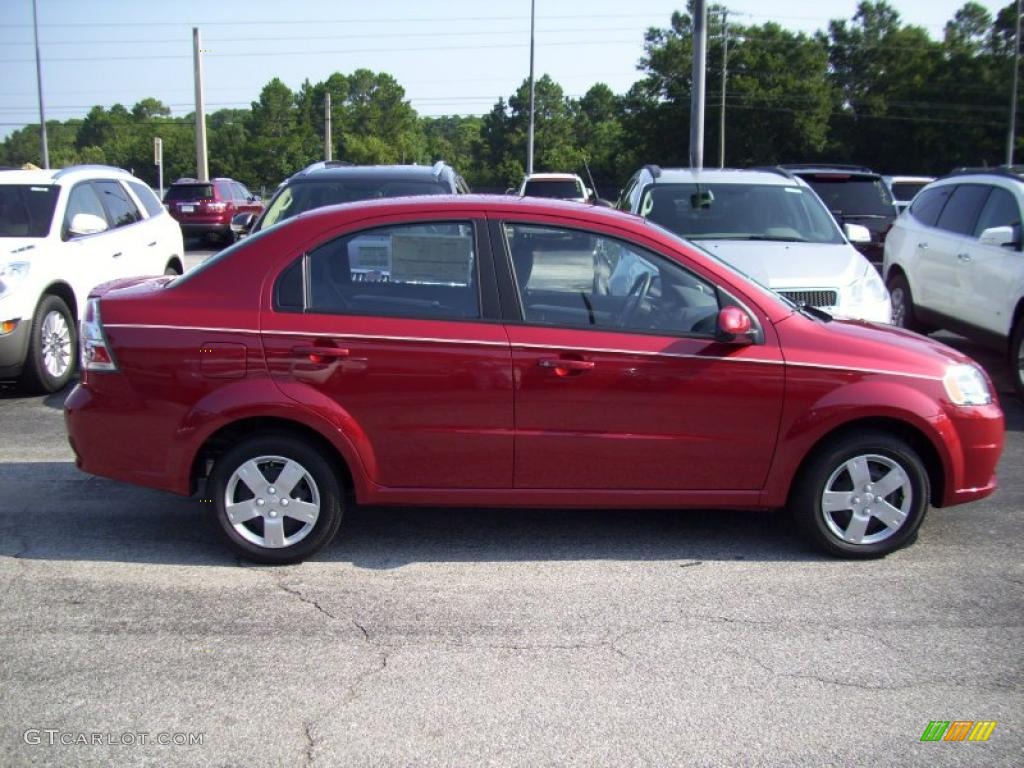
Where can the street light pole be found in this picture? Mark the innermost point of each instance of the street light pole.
(202, 169)
(700, 60)
(39, 85)
(529, 139)
(1011, 136)
(725, 70)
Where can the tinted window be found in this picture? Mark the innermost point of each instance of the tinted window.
(927, 207)
(961, 212)
(241, 192)
(147, 197)
(120, 208)
(1000, 211)
(552, 188)
(187, 193)
(224, 191)
(740, 212)
(422, 270)
(577, 279)
(25, 210)
(288, 291)
(905, 190)
(83, 199)
(853, 195)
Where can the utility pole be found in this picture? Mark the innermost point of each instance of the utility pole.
(202, 170)
(158, 161)
(725, 70)
(328, 139)
(700, 60)
(529, 139)
(39, 85)
(1011, 136)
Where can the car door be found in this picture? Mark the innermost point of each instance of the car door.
(129, 236)
(90, 259)
(620, 383)
(992, 274)
(245, 202)
(391, 325)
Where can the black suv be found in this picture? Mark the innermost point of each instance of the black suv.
(855, 195)
(335, 181)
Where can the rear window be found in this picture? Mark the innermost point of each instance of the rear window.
(852, 195)
(552, 188)
(26, 210)
(188, 193)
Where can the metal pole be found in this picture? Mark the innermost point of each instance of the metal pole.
(39, 84)
(725, 70)
(529, 140)
(202, 170)
(1011, 136)
(328, 149)
(700, 60)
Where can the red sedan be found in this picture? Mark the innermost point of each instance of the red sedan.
(503, 352)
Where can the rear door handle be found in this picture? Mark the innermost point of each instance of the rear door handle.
(964, 257)
(923, 246)
(559, 364)
(116, 255)
(319, 354)
(152, 244)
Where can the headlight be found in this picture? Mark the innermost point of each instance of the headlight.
(868, 288)
(12, 273)
(966, 385)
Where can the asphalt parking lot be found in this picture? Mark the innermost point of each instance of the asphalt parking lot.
(484, 637)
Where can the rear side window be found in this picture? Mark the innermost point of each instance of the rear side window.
(420, 270)
(961, 213)
(1000, 211)
(120, 208)
(147, 198)
(929, 204)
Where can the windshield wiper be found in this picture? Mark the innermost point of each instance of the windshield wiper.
(813, 311)
(778, 238)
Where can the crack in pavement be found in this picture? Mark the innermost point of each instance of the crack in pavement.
(310, 743)
(307, 600)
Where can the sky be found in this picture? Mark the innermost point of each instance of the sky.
(452, 57)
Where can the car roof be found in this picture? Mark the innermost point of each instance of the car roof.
(553, 176)
(324, 171)
(828, 168)
(724, 176)
(62, 175)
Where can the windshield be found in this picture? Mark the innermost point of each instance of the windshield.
(565, 189)
(853, 196)
(307, 195)
(188, 193)
(740, 212)
(26, 210)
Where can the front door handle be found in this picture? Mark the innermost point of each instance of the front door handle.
(563, 367)
(923, 245)
(319, 354)
(116, 255)
(964, 257)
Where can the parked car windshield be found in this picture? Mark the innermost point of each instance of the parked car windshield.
(307, 195)
(852, 196)
(557, 188)
(26, 210)
(740, 212)
(185, 193)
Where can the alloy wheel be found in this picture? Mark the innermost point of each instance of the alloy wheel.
(55, 338)
(272, 501)
(867, 499)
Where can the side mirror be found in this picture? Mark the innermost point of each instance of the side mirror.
(241, 223)
(511, 191)
(734, 326)
(86, 224)
(857, 233)
(998, 236)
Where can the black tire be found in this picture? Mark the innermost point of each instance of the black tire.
(245, 537)
(229, 237)
(903, 312)
(173, 268)
(35, 376)
(1017, 357)
(829, 470)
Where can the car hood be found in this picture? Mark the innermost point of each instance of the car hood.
(791, 265)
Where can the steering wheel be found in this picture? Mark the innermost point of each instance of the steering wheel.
(637, 293)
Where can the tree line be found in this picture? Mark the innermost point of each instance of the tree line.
(871, 90)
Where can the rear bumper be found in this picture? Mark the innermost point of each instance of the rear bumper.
(195, 228)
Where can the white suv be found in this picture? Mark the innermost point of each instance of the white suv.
(770, 224)
(954, 260)
(563, 186)
(62, 232)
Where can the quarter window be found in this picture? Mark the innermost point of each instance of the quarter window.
(422, 270)
(121, 209)
(961, 213)
(572, 278)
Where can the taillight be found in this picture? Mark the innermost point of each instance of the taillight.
(216, 207)
(96, 353)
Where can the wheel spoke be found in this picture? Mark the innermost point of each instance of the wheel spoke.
(251, 474)
(273, 531)
(242, 511)
(888, 514)
(290, 477)
(836, 501)
(893, 481)
(859, 472)
(303, 511)
(855, 530)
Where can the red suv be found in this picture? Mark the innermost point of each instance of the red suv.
(499, 352)
(205, 208)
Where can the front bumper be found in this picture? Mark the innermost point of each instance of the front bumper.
(980, 433)
(14, 349)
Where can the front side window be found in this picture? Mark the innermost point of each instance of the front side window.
(83, 199)
(579, 279)
(120, 208)
(27, 210)
(740, 212)
(1000, 210)
(960, 215)
(411, 270)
